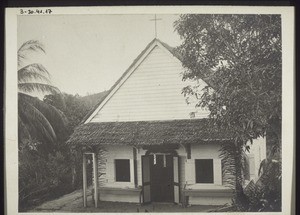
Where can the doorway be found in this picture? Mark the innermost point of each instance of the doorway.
(162, 177)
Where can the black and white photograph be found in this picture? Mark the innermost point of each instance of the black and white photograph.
(149, 109)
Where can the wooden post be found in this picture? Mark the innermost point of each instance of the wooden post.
(84, 180)
(95, 170)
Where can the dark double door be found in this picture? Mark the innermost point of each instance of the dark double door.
(161, 174)
(160, 178)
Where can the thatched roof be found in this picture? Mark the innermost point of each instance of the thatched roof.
(147, 133)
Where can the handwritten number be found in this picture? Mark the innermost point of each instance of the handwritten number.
(49, 11)
(36, 11)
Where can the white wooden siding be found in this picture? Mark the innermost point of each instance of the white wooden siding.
(152, 92)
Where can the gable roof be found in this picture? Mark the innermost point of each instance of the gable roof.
(130, 69)
(144, 132)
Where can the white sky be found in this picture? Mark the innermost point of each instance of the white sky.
(88, 53)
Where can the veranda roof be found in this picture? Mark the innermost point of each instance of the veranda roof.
(147, 133)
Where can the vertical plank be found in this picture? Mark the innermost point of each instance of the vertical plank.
(95, 168)
(110, 170)
(146, 179)
(182, 160)
(135, 167)
(176, 179)
(175, 169)
(131, 163)
(217, 168)
(84, 180)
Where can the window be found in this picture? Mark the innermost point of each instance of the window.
(122, 167)
(204, 170)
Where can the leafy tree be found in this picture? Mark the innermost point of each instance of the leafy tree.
(239, 57)
(71, 105)
(75, 108)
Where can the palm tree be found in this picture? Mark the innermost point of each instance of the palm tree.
(37, 121)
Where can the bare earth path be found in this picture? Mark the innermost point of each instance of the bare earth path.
(73, 202)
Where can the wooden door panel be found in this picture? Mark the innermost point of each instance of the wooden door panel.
(146, 179)
(176, 179)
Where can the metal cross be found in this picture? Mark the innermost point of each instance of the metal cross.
(155, 19)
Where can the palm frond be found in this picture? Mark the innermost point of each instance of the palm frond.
(30, 87)
(32, 72)
(23, 130)
(48, 110)
(102, 156)
(35, 121)
(56, 118)
(38, 132)
(228, 156)
(31, 45)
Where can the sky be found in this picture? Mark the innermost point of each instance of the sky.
(86, 54)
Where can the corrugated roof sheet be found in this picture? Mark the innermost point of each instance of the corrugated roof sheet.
(147, 133)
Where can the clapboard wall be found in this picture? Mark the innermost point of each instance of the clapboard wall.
(153, 91)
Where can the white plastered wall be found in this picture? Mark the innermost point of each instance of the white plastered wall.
(205, 151)
(187, 172)
(118, 152)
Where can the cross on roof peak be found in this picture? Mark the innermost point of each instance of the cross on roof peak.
(155, 20)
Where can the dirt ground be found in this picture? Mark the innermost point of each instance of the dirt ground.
(73, 202)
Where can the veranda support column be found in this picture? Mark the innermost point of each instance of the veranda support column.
(95, 170)
(84, 181)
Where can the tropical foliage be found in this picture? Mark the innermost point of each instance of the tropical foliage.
(38, 122)
(74, 107)
(239, 57)
(47, 167)
(43, 165)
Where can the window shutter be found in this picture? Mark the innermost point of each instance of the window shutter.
(131, 169)
(190, 171)
(217, 172)
(110, 170)
(139, 172)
